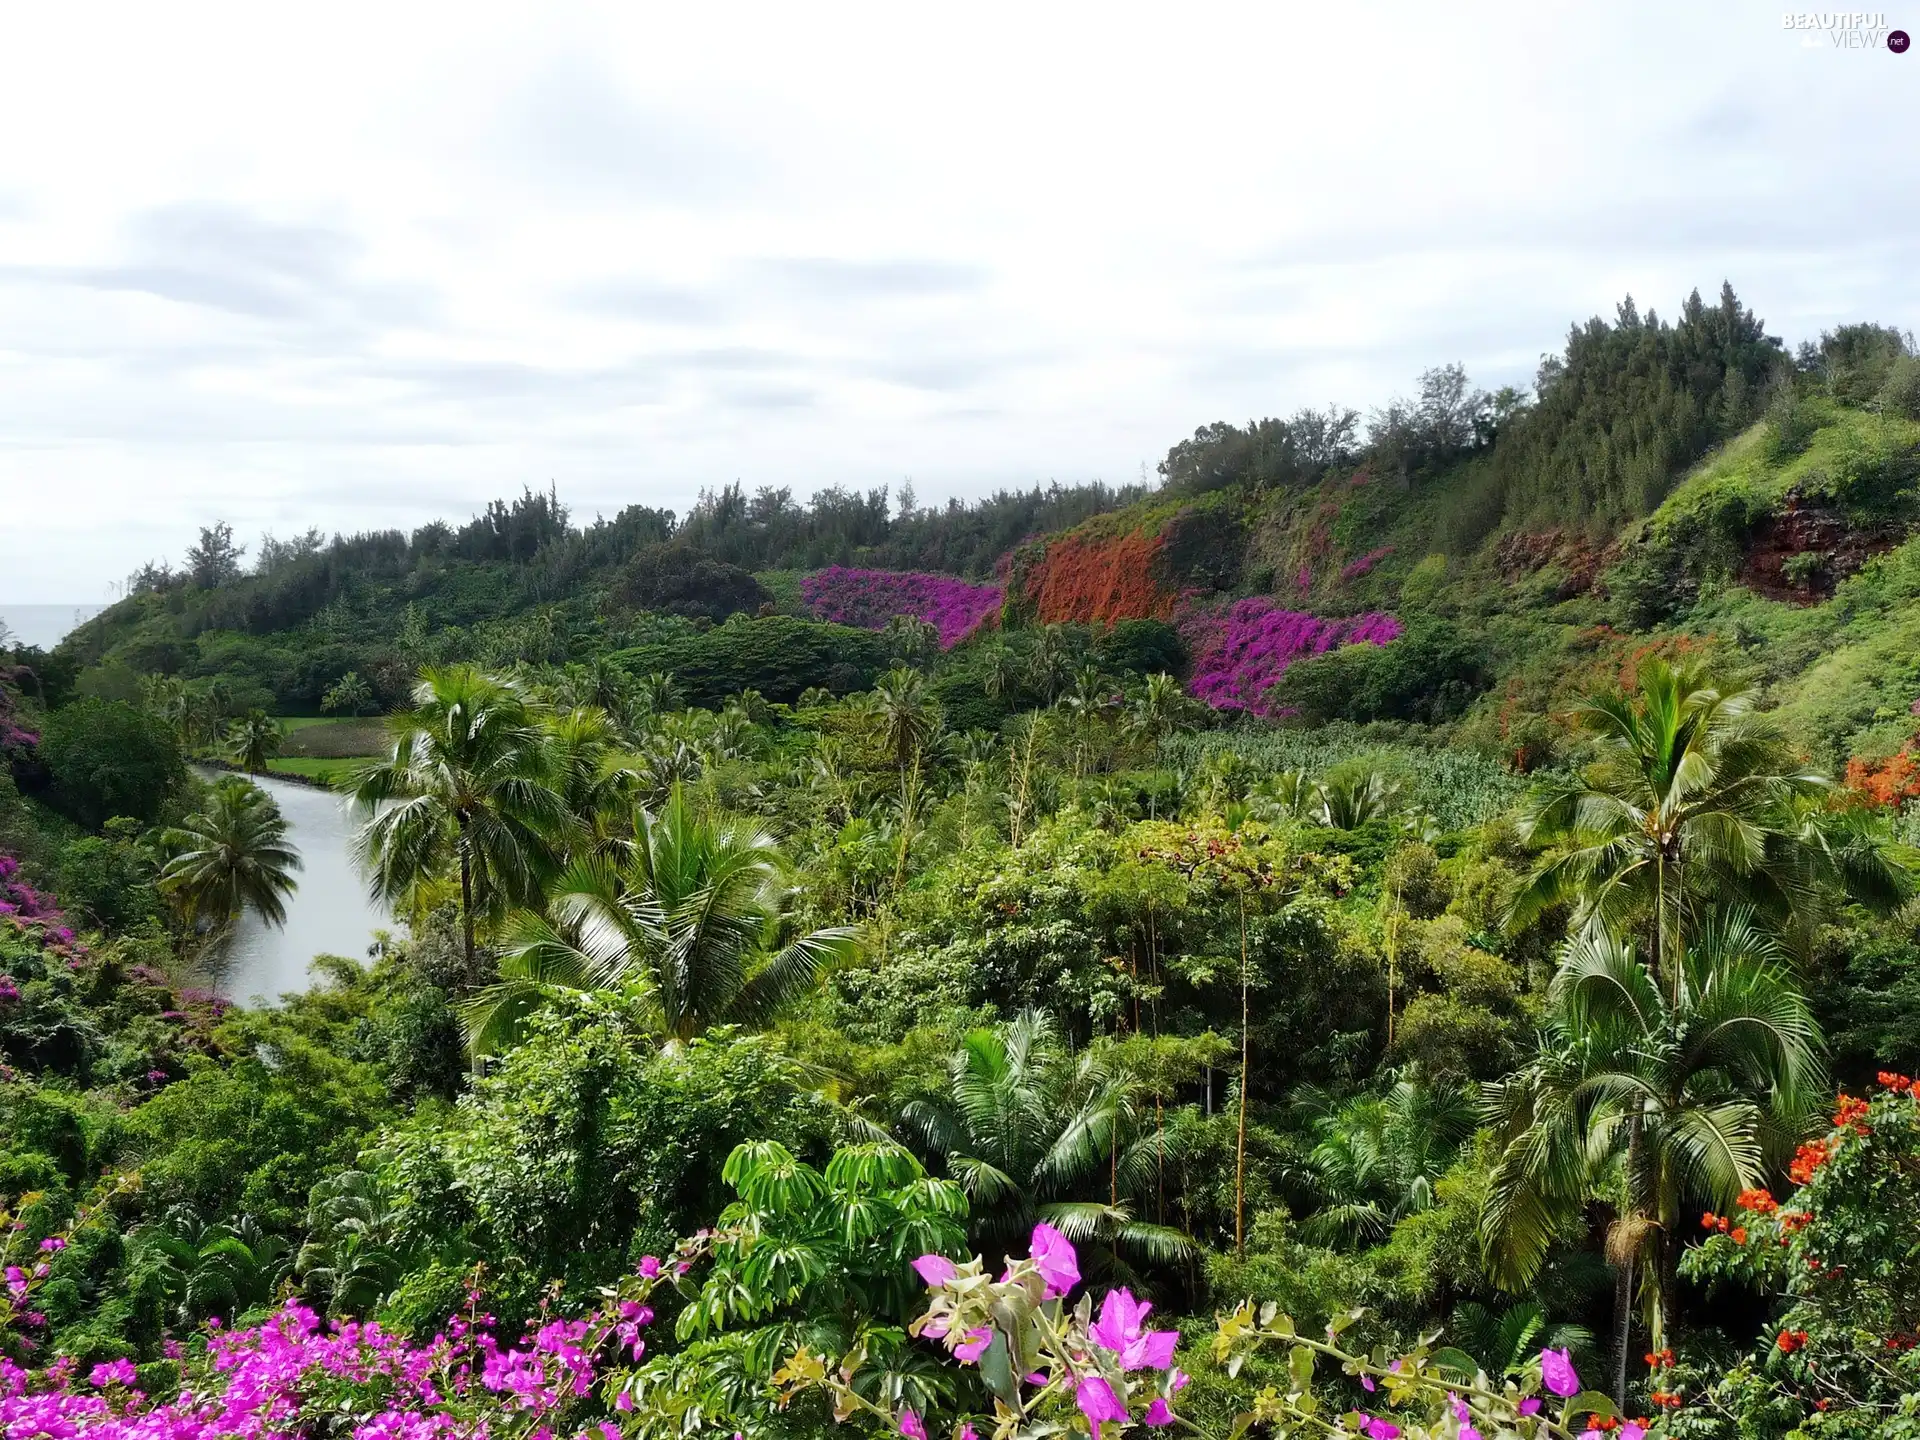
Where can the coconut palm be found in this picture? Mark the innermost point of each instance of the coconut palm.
(253, 740)
(1694, 801)
(1664, 1098)
(470, 787)
(698, 917)
(1032, 1132)
(1505, 1342)
(1158, 708)
(350, 693)
(354, 1251)
(596, 782)
(1088, 702)
(231, 856)
(1001, 669)
(1049, 662)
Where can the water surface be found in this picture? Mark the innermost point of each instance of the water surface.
(329, 914)
(45, 625)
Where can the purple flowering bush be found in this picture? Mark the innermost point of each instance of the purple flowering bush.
(1239, 653)
(295, 1374)
(868, 599)
(14, 735)
(1050, 1363)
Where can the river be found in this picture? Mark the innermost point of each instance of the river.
(330, 914)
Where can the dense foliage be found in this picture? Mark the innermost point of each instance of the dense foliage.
(1355, 905)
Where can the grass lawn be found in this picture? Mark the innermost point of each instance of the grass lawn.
(330, 770)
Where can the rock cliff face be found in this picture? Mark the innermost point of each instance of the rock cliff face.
(1580, 560)
(1803, 552)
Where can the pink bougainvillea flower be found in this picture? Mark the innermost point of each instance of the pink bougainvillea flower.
(1366, 1383)
(974, 1346)
(1097, 1401)
(650, 1266)
(1054, 1256)
(1556, 1369)
(1378, 1429)
(1118, 1329)
(1158, 1413)
(911, 1427)
(967, 1432)
(868, 599)
(1530, 1405)
(1632, 1431)
(935, 1269)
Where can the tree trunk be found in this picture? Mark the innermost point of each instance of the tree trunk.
(466, 901)
(1623, 1341)
(1240, 1147)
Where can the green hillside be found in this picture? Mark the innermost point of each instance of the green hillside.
(1448, 873)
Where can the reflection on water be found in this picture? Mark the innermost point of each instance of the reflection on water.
(329, 914)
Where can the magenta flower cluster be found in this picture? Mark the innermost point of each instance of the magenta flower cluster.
(296, 1375)
(21, 901)
(1119, 1330)
(1238, 655)
(868, 599)
(13, 735)
(1355, 569)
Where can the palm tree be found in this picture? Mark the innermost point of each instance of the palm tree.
(231, 856)
(596, 783)
(1351, 796)
(1505, 1342)
(1001, 669)
(350, 693)
(1695, 800)
(470, 786)
(1664, 1097)
(353, 1253)
(698, 916)
(905, 719)
(1034, 1133)
(253, 740)
(1379, 1156)
(1088, 702)
(1158, 709)
(1049, 662)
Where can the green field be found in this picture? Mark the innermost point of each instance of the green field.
(311, 738)
(328, 769)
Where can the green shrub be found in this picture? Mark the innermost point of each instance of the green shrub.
(779, 656)
(1430, 674)
(108, 758)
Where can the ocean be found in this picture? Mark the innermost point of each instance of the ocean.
(44, 625)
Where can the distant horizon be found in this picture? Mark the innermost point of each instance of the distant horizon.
(642, 254)
(45, 623)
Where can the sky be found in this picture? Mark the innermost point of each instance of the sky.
(359, 267)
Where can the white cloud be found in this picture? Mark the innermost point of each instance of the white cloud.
(362, 267)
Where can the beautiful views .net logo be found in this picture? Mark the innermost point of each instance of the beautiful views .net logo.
(1845, 29)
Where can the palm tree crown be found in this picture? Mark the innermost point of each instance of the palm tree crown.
(698, 914)
(231, 856)
(1695, 800)
(1665, 1097)
(469, 785)
(1033, 1133)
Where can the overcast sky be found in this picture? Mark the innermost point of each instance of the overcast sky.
(359, 267)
